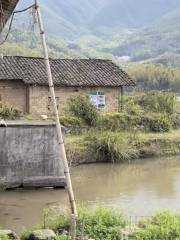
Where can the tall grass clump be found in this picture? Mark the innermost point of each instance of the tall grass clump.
(81, 107)
(111, 147)
(163, 226)
(8, 113)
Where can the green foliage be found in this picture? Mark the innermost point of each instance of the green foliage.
(81, 107)
(69, 121)
(156, 122)
(111, 147)
(4, 237)
(9, 113)
(101, 223)
(156, 101)
(152, 122)
(105, 224)
(133, 108)
(163, 226)
(59, 223)
(62, 237)
(119, 121)
(152, 111)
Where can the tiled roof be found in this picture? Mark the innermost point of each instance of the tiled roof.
(66, 72)
(8, 7)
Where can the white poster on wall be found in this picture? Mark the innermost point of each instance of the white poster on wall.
(98, 99)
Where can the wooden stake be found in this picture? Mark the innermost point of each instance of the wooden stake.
(58, 125)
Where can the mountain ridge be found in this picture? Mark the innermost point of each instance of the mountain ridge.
(143, 31)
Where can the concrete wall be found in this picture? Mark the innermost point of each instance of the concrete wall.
(29, 151)
(39, 98)
(14, 93)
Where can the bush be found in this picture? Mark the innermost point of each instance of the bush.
(8, 113)
(81, 107)
(163, 226)
(111, 147)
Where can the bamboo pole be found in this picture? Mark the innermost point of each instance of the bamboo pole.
(58, 125)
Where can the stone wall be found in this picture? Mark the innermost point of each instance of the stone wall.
(40, 100)
(14, 93)
(27, 151)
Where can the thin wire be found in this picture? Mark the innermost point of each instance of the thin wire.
(11, 22)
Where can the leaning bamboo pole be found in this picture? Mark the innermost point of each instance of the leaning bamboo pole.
(58, 125)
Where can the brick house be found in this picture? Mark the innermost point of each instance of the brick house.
(23, 83)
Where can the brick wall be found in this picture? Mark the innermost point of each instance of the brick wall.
(13, 93)
(39, 98)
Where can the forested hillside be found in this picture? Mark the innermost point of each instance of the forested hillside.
(145, 32)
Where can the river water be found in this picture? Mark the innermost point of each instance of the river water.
(138, 189)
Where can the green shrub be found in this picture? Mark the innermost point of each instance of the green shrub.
(101, 224)
(154, 122)
(81, 107)
(69, 121)
(118, 121)
(156, 101)
(163, 226)
(111, 147)
(8, 113)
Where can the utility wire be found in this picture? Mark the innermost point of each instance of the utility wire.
(11, 22)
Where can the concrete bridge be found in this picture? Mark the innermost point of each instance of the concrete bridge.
(29, 155)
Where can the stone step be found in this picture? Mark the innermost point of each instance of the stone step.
(42, 182)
